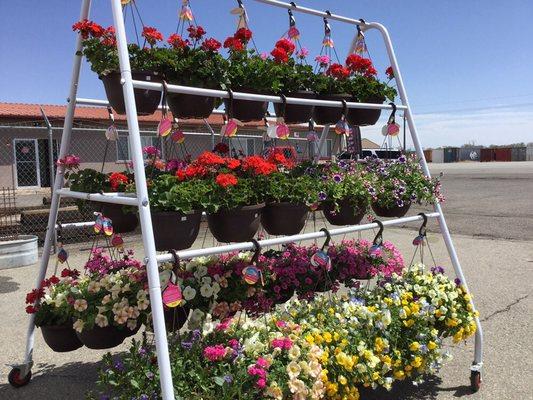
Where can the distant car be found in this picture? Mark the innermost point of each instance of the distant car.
(383, 154)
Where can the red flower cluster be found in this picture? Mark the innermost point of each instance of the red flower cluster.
(211, 44)
(152, 35)
(389, 72)
(233, 163)
(116, 179)
(280, 55)
(258, 165)
(279, 158)
(177, 42)
(243, 34)
(238, 41)
(210, 159)
(338, 71)
(34, 295)
(287, 45)
(190, 172)
(109, 38)
(225, 180)
(196, 32)
(88, 29)
(73, 273)
(360, 65)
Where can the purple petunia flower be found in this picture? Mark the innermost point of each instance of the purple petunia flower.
(322, 196)
(457, 281)
(337, 178)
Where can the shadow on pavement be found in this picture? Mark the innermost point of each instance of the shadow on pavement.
(7, 285)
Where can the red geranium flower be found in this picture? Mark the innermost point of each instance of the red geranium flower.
(258, 165)
(196, 32)
(180, 174)
(389, 72)
(243, 34)
(225, 180)
(280, 55)
(88, 29)
(109, 38)
(233, 163)
(338, 71)
(361, 65)
(210, 159)
(177, 42)
(286, 45)
(211, 44)
(371, 71)
(221, 148)
(116, 179)
(152, 35)
(233, 44)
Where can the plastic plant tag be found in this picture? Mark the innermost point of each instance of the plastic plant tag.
(393, 129)
(237, 11)
(313, 207)
(178, 136)
(328, 42)
(384, 130)
(282, 131)
(251, 275)
(117, 242)
(111, 133)
(165, 127)
(186, 12)
(360, 46)
(164, 278)
(124, 2)
(321, 260)
(418, 240)
(172, 295)
(342, 128)
(293, 33)
(375, 251)
(62, 255)
(107, 226)
(272, 132)
(312, 137)
(230, 128)
(98, 224)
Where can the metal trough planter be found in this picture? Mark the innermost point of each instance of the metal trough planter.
(18, 252)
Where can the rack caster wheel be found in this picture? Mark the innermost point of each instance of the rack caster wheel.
(475, 380)
(16, 380)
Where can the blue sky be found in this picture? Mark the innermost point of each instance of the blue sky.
(467, 65)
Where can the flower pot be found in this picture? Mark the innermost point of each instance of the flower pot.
(296, 114)
(329, 115)
(175, 230)
(284, 218)
(123, 222)
(61, 338)
(395, 211)
(237, 225)
(102, 338)
(246, 110)
(364, 117)
(346, 214)
(175, 318)
(147, 101)
(190, 106)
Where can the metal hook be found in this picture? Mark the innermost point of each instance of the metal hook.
(59, 234)
(230, 97)
(344, 109)
(378, 240)
(392, 117)
(176, 268)
(284, 106)
(327, 27)
(292, 20)
(257, 249)
(422, 231)
(328, 238)
(240, 3)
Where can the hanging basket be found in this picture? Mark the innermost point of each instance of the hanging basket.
(123, 221)
(364, 117)
(61, 338)
(175, 318)
(190, 105)
(146, 101)
(284, 218)
(324, 115)
(246, 110)
(395, 211)
(237, 225)
(346, 214)
(296, 114)
(175, 230)
(102, 338)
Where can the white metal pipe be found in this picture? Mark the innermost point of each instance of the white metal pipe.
(154, 285)
(187, 254)
(58, 184)
(259, 97)
(111, 198)
(478, 352)
(72, 225)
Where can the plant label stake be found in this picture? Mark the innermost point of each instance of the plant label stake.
(62, 255)
(107, 225)
(172, 296)
(375, 249)
(118, 243)
(164, 278)
(230, 128)
(251, 274)
(98, 223)
(165, 127)
(321, 260)
(342, 127)
(186, 12)
(178, 136)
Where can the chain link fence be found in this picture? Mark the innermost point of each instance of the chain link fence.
(29, 150)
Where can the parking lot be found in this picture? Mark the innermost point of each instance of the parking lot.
(490, 213)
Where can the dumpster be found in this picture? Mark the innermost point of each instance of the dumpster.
(502, 154)
(437, 155)
(518, 154)
(487, 155)
(470, 153)
(450, 154)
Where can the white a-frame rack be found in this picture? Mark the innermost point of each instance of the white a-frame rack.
(141, 201)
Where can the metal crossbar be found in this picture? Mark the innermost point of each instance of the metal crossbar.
(141, 200)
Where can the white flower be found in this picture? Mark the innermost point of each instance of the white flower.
(142, 304)
(216, 288)
(206, 280)
(80, 305)
(293, 370)
(101, 321)
(200, 272)
(126, 288)
(197, 315)
(132, 324)
(78, 325)
(106, 299)
(93, 287)
(121, 317)
(206, 291)
(189, 293)
(294, 352)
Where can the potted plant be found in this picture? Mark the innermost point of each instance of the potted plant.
(330, 85)
(399, 183)
(176, 207)
(344, 192)
(111, 304)
(288, 195)
(295, 80)
(364, 87)
(91, 181)
(248, 72)
(52, 306)
(194, 62)
(100, 49)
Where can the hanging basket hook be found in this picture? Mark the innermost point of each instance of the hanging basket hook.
(423, 229)
(344, 109)
(378, 240)
(257, 251)
(328, 238)
(327, 27)
(229, 111)
(392, 117)
(176, 267)
(283, 106)
(292, 20)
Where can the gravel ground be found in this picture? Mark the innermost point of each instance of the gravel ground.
(496, 253)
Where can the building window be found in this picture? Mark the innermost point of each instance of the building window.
(123, 146)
